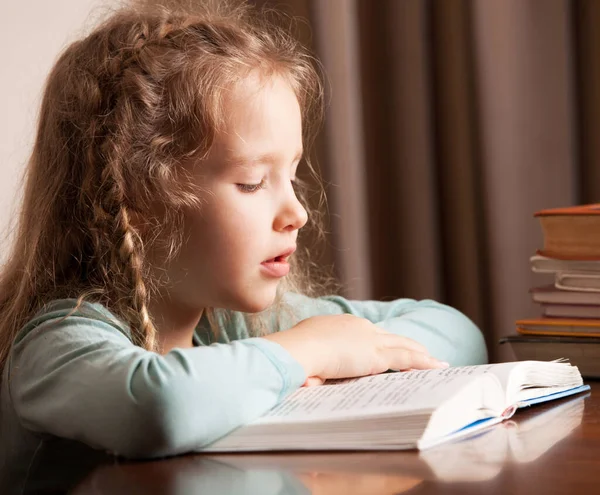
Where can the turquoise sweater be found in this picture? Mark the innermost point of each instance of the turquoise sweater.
(81, 379)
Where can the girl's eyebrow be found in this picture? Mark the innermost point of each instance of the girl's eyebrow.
(268, 158)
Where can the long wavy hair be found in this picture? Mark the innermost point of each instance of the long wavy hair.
(122, 109)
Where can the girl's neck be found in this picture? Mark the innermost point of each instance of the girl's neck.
(175, 323)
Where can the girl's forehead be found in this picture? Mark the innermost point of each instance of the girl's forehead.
(262, 121)
(256, 99)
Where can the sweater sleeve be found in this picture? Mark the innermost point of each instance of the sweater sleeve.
(447, 334)
(83, 379)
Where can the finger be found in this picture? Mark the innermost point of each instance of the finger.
(313, 381)
(403, 359)
(393, 341)
(422, 361)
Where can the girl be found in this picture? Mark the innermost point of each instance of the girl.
(159, 222)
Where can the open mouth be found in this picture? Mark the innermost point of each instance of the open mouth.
(278, 266)
(281, 258)
(277, 259)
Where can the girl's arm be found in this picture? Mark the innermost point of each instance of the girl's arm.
(447, 334)
(83, 379)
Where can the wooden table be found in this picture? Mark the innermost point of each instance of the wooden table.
(549, 448)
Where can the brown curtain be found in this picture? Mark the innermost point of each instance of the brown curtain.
(450, 123)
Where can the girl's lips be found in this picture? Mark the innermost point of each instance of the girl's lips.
(275, 269)
(278, 266)
(285, 255)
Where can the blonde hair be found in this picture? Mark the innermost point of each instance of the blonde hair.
(122, 109)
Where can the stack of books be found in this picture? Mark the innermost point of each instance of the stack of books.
(569, 326)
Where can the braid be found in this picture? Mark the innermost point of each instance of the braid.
(126, 268)
(127, 256)
(122, 277)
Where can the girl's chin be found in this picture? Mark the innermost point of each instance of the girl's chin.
(258, 306)
(255, 304)
(256, 298)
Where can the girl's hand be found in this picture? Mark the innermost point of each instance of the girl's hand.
(343, 346)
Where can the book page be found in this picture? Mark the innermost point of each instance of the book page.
(501, 371)
(378, 394)
(524, 380)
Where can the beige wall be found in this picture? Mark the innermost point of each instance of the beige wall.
(33, 33)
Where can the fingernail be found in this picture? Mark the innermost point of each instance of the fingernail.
(442, 364)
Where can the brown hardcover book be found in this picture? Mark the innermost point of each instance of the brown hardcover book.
(572, 232)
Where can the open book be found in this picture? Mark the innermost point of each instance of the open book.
(403, 410)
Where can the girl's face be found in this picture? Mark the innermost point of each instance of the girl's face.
(236, 244)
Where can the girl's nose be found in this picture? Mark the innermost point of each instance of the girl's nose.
(292, 216)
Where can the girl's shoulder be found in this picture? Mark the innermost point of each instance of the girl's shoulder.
(67, 312)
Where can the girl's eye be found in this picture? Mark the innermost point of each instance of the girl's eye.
(250, 188)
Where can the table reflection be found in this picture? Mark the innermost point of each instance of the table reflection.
(475, 459)
(198, 474)
(482, 457)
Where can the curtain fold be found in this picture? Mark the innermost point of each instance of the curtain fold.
(399, 149)
(343, 147)
(450, 123)
(458, 160)
(586, 16)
